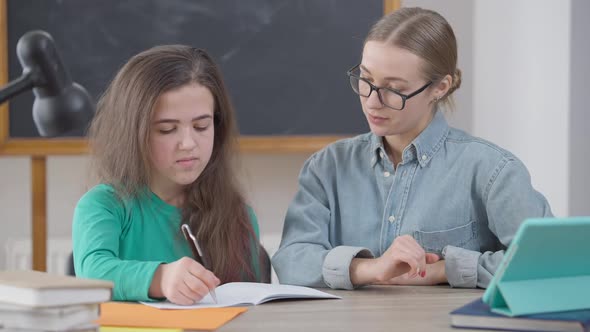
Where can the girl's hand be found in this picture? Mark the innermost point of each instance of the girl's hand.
(182, 282)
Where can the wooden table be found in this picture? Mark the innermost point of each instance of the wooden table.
(373, 308)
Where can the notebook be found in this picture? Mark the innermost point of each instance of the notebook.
(136, 329)
(545, 269)
(50, 318)
(248, 293)
(40, 289)
(478, 315)
(138, 315)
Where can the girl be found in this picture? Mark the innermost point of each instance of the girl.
(413, 197)
(162, 142)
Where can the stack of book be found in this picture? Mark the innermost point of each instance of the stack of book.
(32, 301)
(477, 315)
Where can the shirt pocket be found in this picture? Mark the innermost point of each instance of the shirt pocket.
(462, 236)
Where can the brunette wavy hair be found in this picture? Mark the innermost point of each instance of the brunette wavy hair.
(119, 139)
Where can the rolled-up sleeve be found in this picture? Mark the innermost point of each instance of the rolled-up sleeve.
(510, 199)
(306, 256)
(336, 268)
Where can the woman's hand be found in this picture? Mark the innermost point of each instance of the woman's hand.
(404, 256)
(435, 274)
(182, 282)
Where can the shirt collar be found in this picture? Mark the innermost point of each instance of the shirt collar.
(422, 147)
(431, 139)
(377, 150)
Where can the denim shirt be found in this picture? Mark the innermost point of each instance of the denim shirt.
(459, 196)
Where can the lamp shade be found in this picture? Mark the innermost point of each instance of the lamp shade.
(60, 104)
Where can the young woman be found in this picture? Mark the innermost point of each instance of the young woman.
(162, 142)
(414, 201)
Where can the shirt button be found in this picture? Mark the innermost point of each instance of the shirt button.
(424, 157)
(386, 174)
(391, 218)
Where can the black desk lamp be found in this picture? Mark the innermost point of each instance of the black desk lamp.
(60, 104)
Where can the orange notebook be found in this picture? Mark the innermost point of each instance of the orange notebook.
(139, 315)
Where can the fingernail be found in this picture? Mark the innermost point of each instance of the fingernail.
(423, 274)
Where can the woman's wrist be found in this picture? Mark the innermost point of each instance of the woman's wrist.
(362, 271)
(441, 272)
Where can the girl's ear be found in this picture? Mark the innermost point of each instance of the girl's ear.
(441, 88)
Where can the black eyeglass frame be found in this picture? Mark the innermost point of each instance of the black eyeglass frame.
(377, 89)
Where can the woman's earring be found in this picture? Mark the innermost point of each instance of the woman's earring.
(435, 100)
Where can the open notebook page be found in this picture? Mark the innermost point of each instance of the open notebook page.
(248, 293)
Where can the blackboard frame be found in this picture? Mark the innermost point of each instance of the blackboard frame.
(74, 146)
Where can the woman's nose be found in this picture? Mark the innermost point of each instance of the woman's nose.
(373, 100)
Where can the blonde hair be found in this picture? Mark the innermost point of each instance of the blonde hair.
(428, 35)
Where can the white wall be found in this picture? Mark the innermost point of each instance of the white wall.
(15, 200)
(579, 179)
(271, 183)
(522, 82)
(459, 14)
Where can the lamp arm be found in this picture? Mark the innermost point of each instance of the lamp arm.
(21, 84)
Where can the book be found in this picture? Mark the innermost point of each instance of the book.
(478, 315)
(88, 327)
(50, 318)
(40, 289)
(248, 293)
(139, 315)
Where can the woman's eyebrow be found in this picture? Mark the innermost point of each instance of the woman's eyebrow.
(388, 78)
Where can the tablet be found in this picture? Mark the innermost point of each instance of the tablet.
(546, 268)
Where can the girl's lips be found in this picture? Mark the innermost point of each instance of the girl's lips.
(187, 162)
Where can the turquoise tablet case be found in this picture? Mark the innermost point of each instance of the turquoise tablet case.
(545, 269)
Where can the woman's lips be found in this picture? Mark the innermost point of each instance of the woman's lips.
(377, 120)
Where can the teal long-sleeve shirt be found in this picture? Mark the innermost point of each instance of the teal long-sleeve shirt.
(126, 241)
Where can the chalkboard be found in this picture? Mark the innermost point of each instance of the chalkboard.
(284, 61)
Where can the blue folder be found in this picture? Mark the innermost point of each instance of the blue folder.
(545, 269)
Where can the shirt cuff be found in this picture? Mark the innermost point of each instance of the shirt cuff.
(461, 266)
(336, 268)
(138, 288)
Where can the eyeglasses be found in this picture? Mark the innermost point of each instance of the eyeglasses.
(388, 97)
